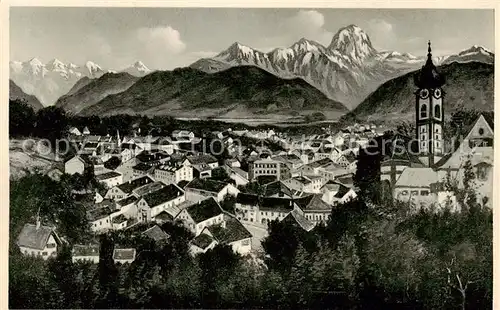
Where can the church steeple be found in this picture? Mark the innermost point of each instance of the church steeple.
(429, 77)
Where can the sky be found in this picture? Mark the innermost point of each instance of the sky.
(166, 38)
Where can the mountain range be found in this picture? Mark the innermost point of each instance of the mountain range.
(48, 82)
(236, 92)
(347, 70)
(469, 86)
(15, 92)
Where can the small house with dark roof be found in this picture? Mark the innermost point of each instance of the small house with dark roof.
(202, 243)
(295, 218)
(143, 169)
(153, 203)
(231, 232)
(124, 255)
(156, 233)
(38, 240)
(126, 189)
(314, 208)
(337, 193)
(85, 253)
(277, 189)
(199, 215)
(119, 222)
(200, 189)
(110, 179)
(163, 217)
(100, 218)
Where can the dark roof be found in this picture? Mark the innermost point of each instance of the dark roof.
(107, 175)
(320, 163)
(164, 216)
(98, 213)
(129, 186)
(312, 203)
(202, 159)
(346, 180)
(127, 201)
(167, 193)
(143, 167)
(277, 187)
(398, 147)
(206, 185)
(247, 199)
(119, 219)
(204, 210)
(149, 156)
(202, 241)
(351, 157)
(272, 203)
(343, 190)
(429, 77)
(234, 231)
(124, 253)
(86, 250)
(156, 233)
(91, 145)
(33, 238)
(265, 179)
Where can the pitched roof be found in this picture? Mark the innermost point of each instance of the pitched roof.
(320, 163)
(107, 175)
(127, 201)
(295, 218)
(342, 191)
(124, 253)
(165, 194)
(143, 167)
(234, 231)
(119, 219)
(312, 203)
(156, 233)
(86, 250)
(33, 238)
(164, 216)
(247, 199)
(202, 241)
(417, 177)
(129, 186)
(275, 188)
(206, 185)
(276, 204)
(98, 213)
(202, 159)
(204, 210)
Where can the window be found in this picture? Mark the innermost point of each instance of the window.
(414, 193)
(482, 171)
(51, 245)
(424, 193)
(437, 111)
(481, 131)
(245, 242)
(423, 110)
(404, 193)
(44, 253)
(423, 129)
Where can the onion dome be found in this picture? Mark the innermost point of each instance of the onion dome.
(429, 77)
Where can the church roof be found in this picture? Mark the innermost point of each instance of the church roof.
(429, 77)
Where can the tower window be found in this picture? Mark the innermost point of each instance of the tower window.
(423, 110)
(422, 129)
(437, 111)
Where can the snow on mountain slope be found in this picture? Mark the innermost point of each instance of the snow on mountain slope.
(138, 69)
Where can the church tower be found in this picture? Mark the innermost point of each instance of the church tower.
(429, 114)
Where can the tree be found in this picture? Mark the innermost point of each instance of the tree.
(51, 123)
(367, 176)
(21, 118)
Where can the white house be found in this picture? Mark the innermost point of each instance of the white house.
(124, 255)
(75, 165)
(85, 253)
(110, 179)
(200, 189)
(314, 208)
(202, 214)
(160, 200)
(231, 232)
(307, 184)
(173, 173)
(38, 240)
(125, 189)
(337, 193)
(75, 131)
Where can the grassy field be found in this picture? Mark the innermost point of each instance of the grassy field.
(23, 160)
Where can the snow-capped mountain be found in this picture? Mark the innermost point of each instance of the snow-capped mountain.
(347, 70)
(50, 81)
(474, 53)
(138, 69)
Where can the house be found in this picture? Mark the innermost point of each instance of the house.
(337, 193)
(233, 163)
(414, 186)
(151, 204)
(75, 165)
(133, 148)
(86, 131)
(332, 171)
(327, 152)
(314, 167)
(247, 207)
(85, 253)
(152, 157)
(173, 172)
(146, 142)
(295, 218)
(269, 167)
(119, 222)
(183, 135)
(231, 232)
(128, 206)
(74, 131)
(156, 233)
(307, 184)
(239, 176)
(292, 160)
(124, 255)
(202, 214)
(38, 240)
(200, 189)
(277, 189)
(201, 159)
(163, 217)
(143, 169)
(314, 209)
(202, 243)
(100, 217)
(271, 209)
(110, 179)
(125, 189)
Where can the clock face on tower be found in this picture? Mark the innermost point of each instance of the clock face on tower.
(424, 93)
(437, 93)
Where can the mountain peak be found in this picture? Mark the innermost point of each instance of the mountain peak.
(476, 49)
(305, 45)
(354, 42)
(236, 50)
(35, 62)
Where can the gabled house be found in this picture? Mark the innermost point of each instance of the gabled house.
(172, 172)
(314, 208)
(202, 214)
(110, 179)
(307, 184)
(143, 169)
(156, 233)
(337, 193)
(200, 189)
(38, 240)
(125, 189)
(239, 176)
(297, 219)
(151, 204)
(313, 168)
(202, 243)
(231, 232)
(74, 131)
(76, 165)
